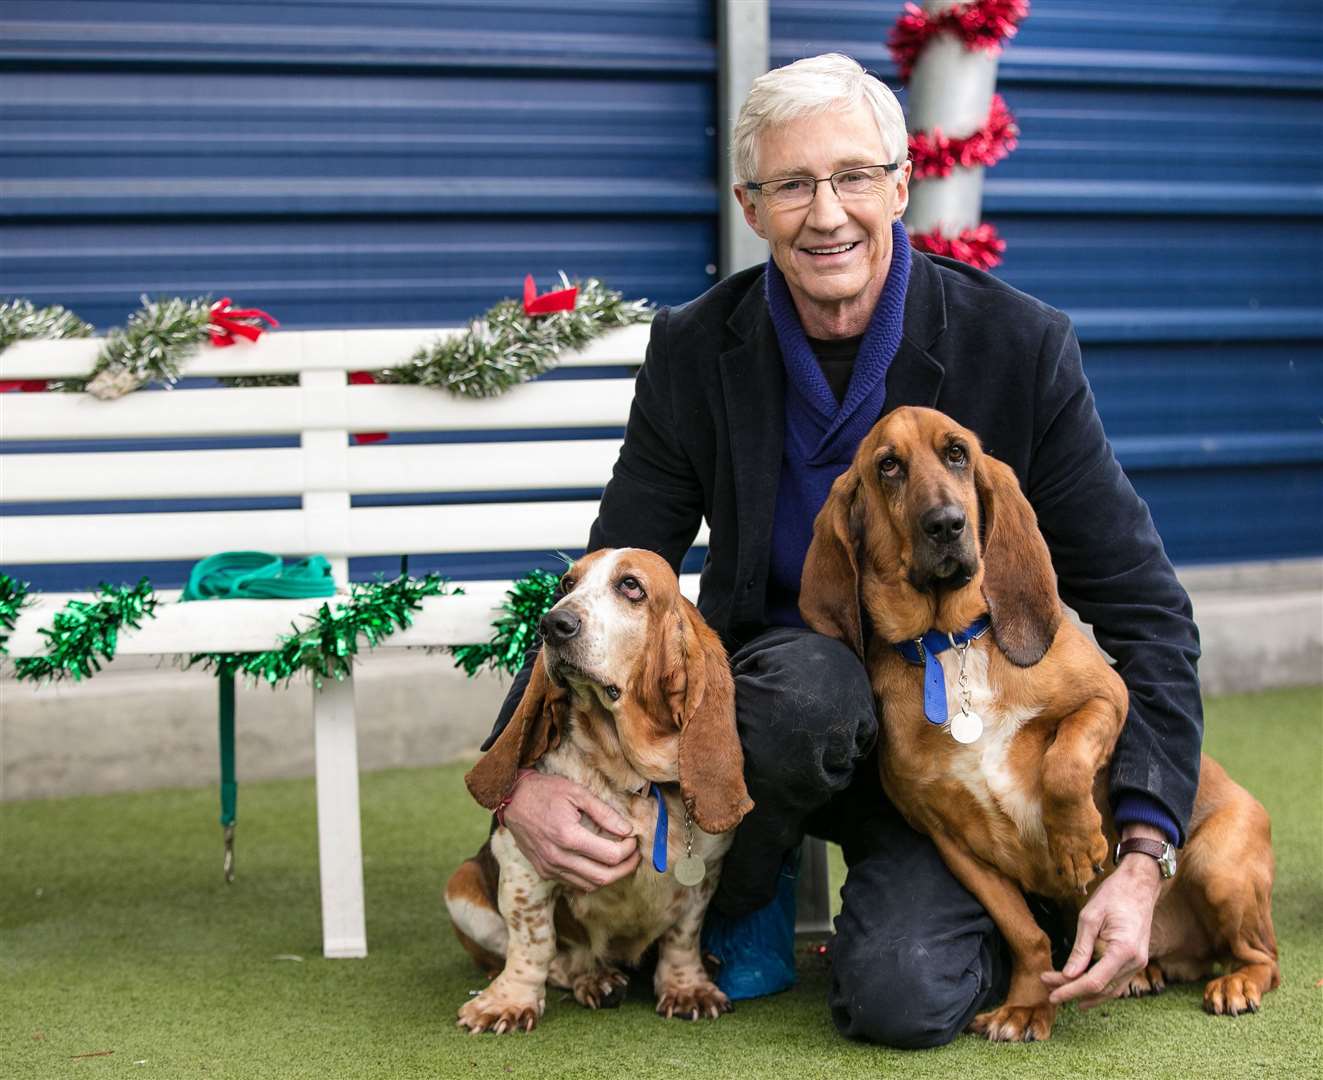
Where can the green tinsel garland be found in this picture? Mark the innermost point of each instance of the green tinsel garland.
(13, 595)
(527, 600)
(325, 648)
(84, 631)
(499, 350)
(328, 646)
(21, 320)
(506, 347)
(152, 346)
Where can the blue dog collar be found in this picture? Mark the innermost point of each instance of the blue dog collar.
(659, 837)
(924, 650)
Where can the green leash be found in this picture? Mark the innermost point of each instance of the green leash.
(248, 575)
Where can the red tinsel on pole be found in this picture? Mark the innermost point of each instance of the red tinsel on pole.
(980, 246)
(983, 24)
(936, 155)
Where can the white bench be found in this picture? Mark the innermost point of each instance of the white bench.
(324, 471)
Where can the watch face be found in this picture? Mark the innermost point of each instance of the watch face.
(1168, 861)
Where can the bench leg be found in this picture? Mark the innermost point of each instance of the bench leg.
(339, 842)
(813, 897)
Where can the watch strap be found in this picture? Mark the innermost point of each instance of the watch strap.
(1156, 848)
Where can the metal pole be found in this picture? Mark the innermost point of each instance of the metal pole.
(950, 88)
(743, 42)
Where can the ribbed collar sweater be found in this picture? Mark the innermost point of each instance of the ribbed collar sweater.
(821, 434)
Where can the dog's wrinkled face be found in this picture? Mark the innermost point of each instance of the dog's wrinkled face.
(605, 642)
(926, 531)
(918, 466)
(595, 636)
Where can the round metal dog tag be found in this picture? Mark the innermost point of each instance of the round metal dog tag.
(966, 727)
(690, 870)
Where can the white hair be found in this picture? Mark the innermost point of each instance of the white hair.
(814, 84)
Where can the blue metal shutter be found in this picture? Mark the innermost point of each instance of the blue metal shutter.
(346, 164)
(1168, 194)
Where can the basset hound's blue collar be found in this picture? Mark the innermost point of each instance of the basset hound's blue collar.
(924, 651)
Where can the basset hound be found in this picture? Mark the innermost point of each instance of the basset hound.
(632, 698)
(996, 743)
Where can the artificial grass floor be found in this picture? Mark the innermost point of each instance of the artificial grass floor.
(123, 953)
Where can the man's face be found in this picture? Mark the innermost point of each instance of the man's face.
(824, 281)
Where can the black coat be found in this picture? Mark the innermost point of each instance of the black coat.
(704, 441)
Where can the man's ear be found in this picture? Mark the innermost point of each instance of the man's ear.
(829, 589)
(534, 729)
(1018, 581)
(746, 200)
(711, 758)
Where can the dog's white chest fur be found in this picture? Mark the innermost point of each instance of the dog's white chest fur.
(984, 766)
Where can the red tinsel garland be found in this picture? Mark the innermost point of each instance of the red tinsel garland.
(982, 24)
(936, 155)
(979, 246)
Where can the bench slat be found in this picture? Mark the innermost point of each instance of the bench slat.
(286, 352)
(373, 469)
(288, 410)
(255, 625)
(391, 530)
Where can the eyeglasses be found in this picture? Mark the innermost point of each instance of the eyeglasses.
(795, 192)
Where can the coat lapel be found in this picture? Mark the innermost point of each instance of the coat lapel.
(753, 383)
(915, 375)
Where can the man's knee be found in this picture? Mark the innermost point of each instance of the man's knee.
(898, 994)
(804, 706)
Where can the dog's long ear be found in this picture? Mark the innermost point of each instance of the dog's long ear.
(533, 730)
(829, 588)
(1018, 581)
(711, 760)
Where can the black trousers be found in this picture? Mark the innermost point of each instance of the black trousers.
(914, 955)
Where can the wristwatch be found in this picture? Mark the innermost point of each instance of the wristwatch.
(1165, 853)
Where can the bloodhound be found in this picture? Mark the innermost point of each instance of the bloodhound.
(923, 542)
(631, 697)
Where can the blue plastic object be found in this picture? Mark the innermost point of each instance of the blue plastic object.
(756, 951)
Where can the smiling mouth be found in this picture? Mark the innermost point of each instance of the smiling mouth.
(834, 249)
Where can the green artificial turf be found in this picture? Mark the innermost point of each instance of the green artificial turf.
(118, 939)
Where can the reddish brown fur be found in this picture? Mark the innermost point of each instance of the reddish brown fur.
(1033, 817)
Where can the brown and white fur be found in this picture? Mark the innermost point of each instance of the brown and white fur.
(631, 687)
(897, 551)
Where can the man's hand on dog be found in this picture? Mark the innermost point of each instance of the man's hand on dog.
(545, 818)
(1118, 918)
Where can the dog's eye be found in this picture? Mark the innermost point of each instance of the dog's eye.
(955, 454)
(567, 583)
(889, 466)
(630, 588)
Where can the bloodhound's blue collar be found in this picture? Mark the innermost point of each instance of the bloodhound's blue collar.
(924, 651)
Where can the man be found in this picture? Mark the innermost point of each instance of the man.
(752, 400)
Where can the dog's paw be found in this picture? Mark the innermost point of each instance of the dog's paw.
(1146, 982)
(1015, 1023)
(1078, 856)
(602, 988)
(693, 1002)
(500, 1012)
(1231, 995)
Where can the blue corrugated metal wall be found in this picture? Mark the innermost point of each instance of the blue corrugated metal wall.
(405, 163)
(1167, 193)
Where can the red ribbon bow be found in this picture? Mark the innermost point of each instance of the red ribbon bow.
(228, 321)
(560, 300)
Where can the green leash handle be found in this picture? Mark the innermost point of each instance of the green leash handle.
(248, 575)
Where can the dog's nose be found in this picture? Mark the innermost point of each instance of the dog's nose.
(942, 524)
(558, 626)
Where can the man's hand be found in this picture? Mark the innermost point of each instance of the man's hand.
(1119, 917)
(544, 818)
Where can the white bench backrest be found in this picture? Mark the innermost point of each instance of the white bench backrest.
(325, 470)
